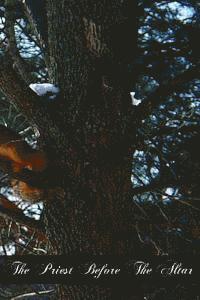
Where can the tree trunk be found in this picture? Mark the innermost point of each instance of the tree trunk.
(91, 211)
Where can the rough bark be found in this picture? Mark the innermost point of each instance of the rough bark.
(94, 215)
(88, 137)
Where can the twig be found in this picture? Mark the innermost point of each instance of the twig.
(164, 90)
(42, 293)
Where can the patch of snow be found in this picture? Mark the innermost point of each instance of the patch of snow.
(52, 97)
(24, 228)
(41, 89)
(134, 100)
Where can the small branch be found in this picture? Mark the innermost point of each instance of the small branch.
(11, 211)
(42, 293)
(159, 185)
(31, 37)
(18, 92)
(36, 108)
(40, 31)
(164, 130)
(164, 90)
(148, 188)
(174, 198)
(172, 130)
(19, 63)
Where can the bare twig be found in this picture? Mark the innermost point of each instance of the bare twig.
(41, 293)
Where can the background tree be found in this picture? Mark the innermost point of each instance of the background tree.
(117, 178)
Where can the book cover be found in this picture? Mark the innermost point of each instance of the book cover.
(99, 149)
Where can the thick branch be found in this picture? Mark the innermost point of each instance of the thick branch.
(37, 16)
(150, 187)
(155, 185)
(165, 130)
(15, 89)
(11, 211)
(156, 98)
(172, 130)
(19, 63)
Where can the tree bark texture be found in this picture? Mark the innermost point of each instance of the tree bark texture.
(96, 154)
(88, 137)
(93, 214)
